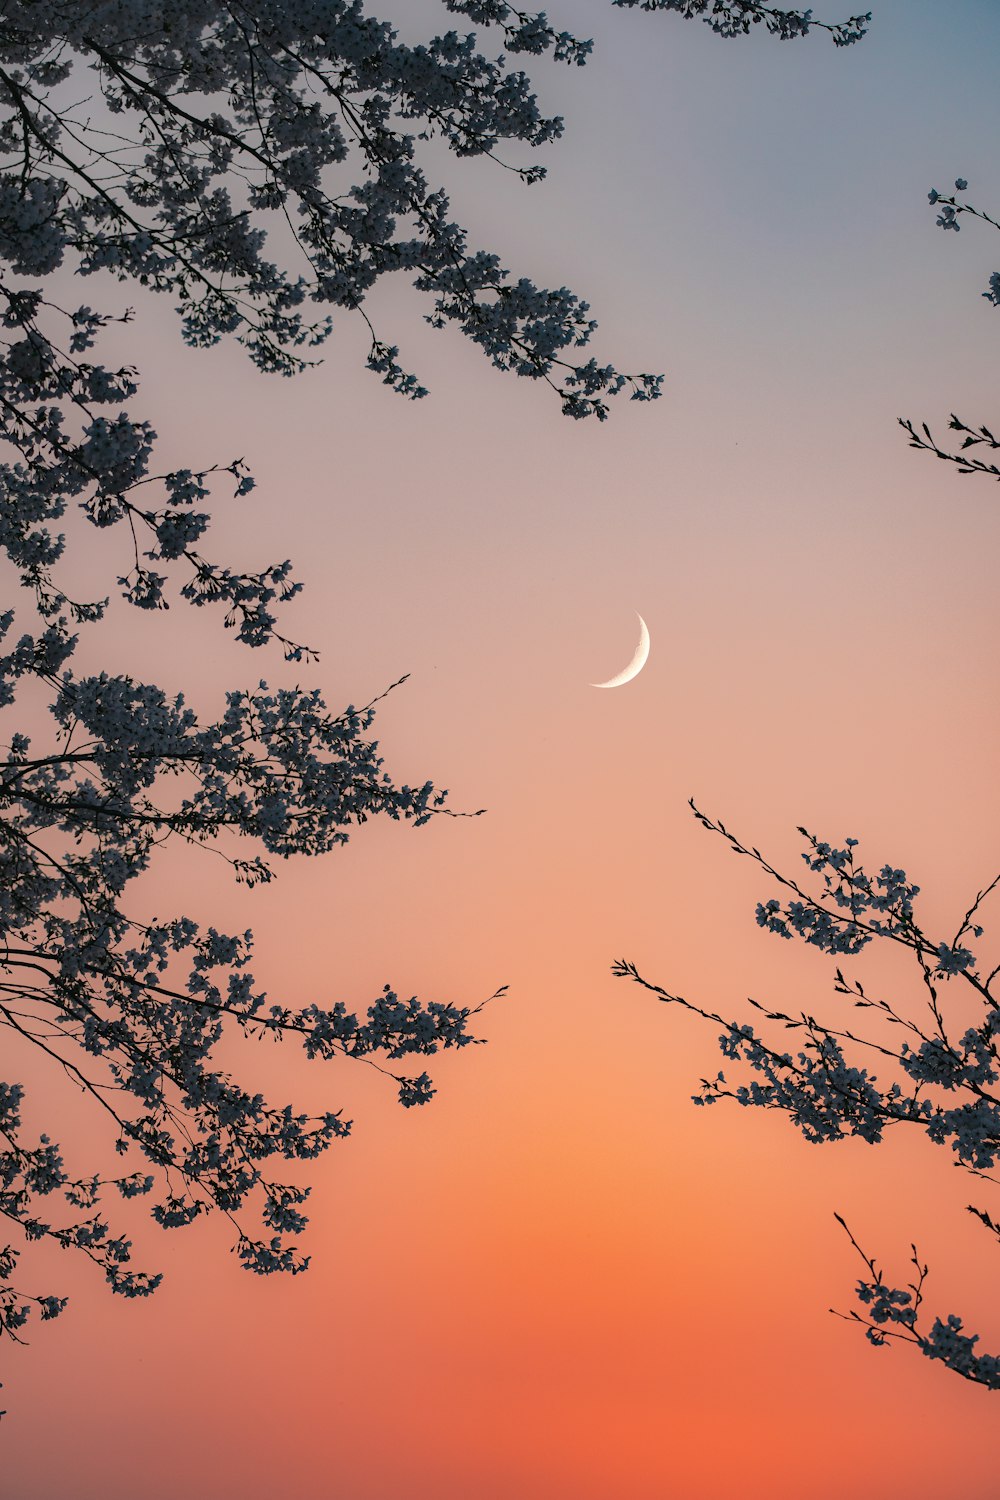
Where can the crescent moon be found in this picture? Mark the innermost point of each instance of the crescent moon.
(637, 663)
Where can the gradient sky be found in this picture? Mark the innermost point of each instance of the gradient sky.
(561, 1280)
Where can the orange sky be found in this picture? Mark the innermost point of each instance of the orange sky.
(560, 1280)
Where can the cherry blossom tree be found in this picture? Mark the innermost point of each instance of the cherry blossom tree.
(936, 1073)
(261, 164)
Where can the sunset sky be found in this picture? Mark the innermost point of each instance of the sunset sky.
(560, 1280)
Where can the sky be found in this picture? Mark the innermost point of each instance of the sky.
(560, 1280)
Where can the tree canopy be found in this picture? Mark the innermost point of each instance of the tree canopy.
(231, 128)
(261, 165)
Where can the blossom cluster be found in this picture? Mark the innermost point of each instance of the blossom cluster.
(136, 1008)
(943, 1078)
(895, 1313)
(737, 17)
